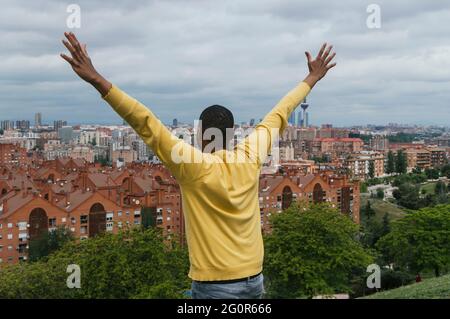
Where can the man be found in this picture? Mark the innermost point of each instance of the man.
(219, 186)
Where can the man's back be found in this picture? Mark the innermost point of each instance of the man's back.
(219, 190)
(223, 227)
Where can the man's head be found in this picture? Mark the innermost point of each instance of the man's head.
(215, 119)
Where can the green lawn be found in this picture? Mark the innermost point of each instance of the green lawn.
(433, 288)
(429, 187)
(381, 207)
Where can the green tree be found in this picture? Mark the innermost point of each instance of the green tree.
(380, 193)
(368, 212)
(402, 138)
(363, 187)
(400, 163)
(445, 170)
(135, 263)
(390, 167)
(386, 226)
(407, 195)
(372, 228)
(432, 173)
(440, 191)
(419, 241)
(49, 242)
(312, 250)
(371, 232)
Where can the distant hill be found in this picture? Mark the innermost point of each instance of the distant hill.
(433, 288)
(381, 207)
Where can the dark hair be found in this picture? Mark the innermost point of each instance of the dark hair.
(217, 116)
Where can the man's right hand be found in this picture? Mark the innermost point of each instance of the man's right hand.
(82, 65)
(320, 65)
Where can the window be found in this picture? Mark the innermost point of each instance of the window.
(119, 224)
(10, 247)
(73, 220)
(10, 225)
(83, 230)
(63, 220)
(109, 226)
(109, 217)
(119, 213)
(52, 222)
(22, 248)
(83, 219)
(10, 236)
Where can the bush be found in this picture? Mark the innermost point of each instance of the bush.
(380, 193)
(49, 242)
(134, 263)
(391, 279)
(419, 241)
(312, 250)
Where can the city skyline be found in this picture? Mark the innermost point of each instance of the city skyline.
(47, 122)
(178, 58)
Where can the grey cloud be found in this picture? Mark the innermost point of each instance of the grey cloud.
(180, 56)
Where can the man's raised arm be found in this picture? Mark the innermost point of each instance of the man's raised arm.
(259, 142)
(173, 152)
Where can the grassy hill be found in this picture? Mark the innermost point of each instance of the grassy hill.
(428, 187)
(433, 288)
(381, 207)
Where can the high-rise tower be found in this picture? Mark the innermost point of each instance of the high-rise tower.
(304, 106)
(37, 120)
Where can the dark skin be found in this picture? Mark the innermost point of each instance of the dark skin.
(82, 65)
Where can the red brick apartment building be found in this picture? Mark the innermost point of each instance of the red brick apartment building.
(12, 154)
(335, 146)
(422, 156)
(277, 192)
(90, 199)
(87, 199)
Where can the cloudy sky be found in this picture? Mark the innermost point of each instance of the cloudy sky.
(178, 57)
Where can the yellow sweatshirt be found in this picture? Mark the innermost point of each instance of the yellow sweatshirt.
(219, 191)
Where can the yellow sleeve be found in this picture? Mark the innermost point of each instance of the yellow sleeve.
(183, 160)
(259, 143)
